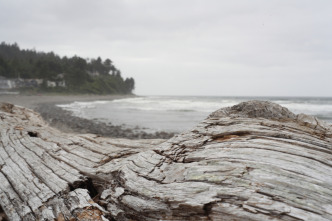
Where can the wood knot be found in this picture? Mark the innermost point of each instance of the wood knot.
(7, 107)
(32, 134)
(224, 137)
(90, 213)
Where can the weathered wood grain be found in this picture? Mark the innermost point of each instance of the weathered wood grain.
(252, 161)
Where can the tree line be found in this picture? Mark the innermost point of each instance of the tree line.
(94, 76)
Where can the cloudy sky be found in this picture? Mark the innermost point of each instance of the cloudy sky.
(188, 47)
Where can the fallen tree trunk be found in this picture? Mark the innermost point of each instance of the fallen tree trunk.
(252, 161)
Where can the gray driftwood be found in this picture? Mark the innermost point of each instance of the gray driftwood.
(252, 161)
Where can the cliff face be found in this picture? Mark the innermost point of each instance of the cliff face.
(252, 161)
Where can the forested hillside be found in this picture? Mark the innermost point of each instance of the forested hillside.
(49, 72)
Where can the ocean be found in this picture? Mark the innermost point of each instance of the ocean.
(180, 113)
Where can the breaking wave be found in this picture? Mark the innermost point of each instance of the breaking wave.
(177, 113)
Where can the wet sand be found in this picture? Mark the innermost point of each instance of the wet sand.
(32, 101)
(65, 121)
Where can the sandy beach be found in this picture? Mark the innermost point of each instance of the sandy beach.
(63, 120)
(33, 101)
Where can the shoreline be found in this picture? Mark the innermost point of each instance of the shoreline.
(32, 101)
(63, 120)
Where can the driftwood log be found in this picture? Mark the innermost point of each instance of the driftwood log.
(252, 161)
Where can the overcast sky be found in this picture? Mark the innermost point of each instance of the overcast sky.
(188, 47)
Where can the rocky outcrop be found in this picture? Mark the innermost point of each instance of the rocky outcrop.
(252, 161)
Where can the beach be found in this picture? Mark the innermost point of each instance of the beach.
(33, 101)
(63, 120)
(143, 117)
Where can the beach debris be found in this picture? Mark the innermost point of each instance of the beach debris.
(253, 161)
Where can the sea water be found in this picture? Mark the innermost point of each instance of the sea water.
(180, 113)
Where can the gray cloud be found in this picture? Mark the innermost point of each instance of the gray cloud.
(188, 47)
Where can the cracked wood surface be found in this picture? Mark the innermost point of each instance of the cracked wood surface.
(253, 161)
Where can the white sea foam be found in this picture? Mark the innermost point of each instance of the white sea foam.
(194, 104)
(180, 113)
(312, 109)
(78, 108)
(173, 104)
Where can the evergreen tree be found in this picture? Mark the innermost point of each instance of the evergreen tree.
(76, 71)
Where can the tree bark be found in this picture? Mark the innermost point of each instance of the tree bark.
(253, 161)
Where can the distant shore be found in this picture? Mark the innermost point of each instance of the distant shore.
(65, 121)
